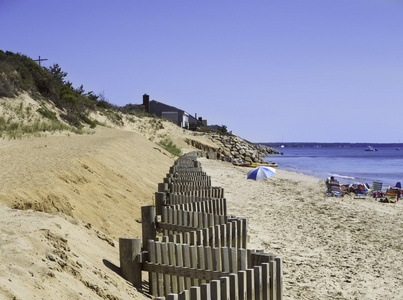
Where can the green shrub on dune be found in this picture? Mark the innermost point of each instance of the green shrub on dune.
(169, 146)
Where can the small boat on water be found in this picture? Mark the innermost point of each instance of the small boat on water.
(370, 148)
(254, 165)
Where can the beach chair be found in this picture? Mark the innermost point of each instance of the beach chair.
(345, 189)
(392, 195)
(376, 189)
(360, 192)
(377, 186)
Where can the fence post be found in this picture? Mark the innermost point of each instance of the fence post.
(225, 288)
(233, 260)
(273, 280)
(265, 281)
(216, 259)
(205, 291)
(234, 287)
(172, 262)
(241, 259)
(148, 224)
(258, 282)
(152, 277)
(279, 271)
(250, 284)
(215, 290)
(242, 285)
(195, 293)
(159, 202)
(162, 187)
(184, 295)
(129, 248)
(186, 262)
(245, 233)
(179, 263)
(165, 261)
(224, 259)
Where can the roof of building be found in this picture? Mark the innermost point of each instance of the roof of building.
(173, 108)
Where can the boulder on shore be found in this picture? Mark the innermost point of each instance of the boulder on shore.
(240, 148)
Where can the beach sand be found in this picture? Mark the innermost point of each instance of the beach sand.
(89, 190)
(332, 248)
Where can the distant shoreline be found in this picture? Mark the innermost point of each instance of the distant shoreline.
(335, 144)
(349, 162)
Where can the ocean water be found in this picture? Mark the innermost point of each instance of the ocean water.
(349, 163)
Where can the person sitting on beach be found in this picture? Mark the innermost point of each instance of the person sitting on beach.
(228, 158)
(218, 153)
(328, 180)
(398, 187)
(237, 160)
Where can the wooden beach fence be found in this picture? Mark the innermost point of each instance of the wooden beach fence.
(192, 249)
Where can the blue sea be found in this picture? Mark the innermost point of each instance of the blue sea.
(349, 163)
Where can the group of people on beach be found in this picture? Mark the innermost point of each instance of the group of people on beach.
(334, 188)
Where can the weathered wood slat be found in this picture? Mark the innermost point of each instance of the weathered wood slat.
(193, 273)
(250, 284)
(186, 262)
(129, 249)
(172, 227)
(258, 282)
(215, 289)
(172, 262)
(233, 282)
(179, 263)
(165, 261)
(152, 257)
(160, 281)
(225, 288)
(242, 287)
(279, 275)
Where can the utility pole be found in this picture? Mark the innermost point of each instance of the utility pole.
(39, 60)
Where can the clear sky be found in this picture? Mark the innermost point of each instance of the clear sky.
(271, 70)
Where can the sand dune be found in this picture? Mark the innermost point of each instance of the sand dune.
(102, 179)
(90, 189)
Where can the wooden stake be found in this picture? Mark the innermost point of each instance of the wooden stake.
(129, 248)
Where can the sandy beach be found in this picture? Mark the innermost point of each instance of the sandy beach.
(66, 200)
(332, 248)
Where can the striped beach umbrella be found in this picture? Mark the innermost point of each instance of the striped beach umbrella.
(261, 173)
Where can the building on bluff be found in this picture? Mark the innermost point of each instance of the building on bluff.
(176, 115)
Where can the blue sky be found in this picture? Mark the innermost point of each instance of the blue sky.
(271, 70)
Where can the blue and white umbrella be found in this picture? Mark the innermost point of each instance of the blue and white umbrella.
(261, 173)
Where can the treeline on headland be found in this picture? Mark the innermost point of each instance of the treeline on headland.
(19, 73)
